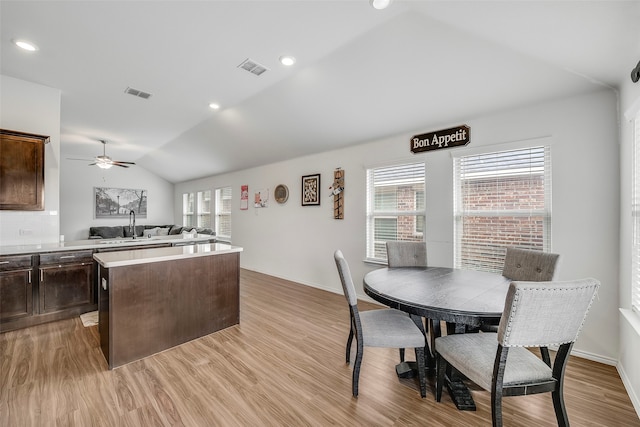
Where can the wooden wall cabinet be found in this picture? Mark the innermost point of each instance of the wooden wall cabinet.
(21, 171)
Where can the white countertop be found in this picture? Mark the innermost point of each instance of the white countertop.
(143, 256)
(100, 244)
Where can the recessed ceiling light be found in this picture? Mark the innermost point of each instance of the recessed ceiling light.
(287, 60)
(380, 4)
(214, 106)
(26, 45)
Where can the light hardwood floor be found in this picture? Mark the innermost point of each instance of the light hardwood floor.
(282, 366)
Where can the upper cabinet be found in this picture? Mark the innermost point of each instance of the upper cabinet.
(21, 171)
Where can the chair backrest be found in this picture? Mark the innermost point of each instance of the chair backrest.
(541, 314)
(406, 254)
(345, 277)
(528, 265)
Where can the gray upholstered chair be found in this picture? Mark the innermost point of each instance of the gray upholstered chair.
(529, 265)
(535, 314)
(532, 266)
(406, 254)
(411, 254)
(378, 328)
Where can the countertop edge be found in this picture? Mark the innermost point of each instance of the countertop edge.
(78, 245)
(146, 256)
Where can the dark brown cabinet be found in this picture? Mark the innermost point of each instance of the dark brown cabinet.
(66, 281)
(21, 171)
(16, 287)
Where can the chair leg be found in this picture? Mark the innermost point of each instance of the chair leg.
(349, 342)
(557, 395)
(544, 352)
(401, 354)
(441, 367)
(496, 385)
(356, 369)
(559, 408)
(421, 372)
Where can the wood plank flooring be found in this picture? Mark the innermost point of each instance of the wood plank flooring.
(283, 365)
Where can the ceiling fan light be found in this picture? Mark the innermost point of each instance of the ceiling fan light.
(103, 165)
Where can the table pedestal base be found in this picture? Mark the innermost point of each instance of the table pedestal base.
(460, 394)
(407, 369)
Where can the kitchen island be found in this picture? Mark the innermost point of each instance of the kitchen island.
(153, 299)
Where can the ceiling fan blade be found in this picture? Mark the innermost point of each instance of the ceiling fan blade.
(118, 164)
(123, 163)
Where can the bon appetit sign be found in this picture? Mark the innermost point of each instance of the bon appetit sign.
(446, 138)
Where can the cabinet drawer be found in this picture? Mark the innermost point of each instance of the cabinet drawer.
(66, 257)
(15, 262)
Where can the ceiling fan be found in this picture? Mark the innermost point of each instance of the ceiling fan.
(104, 161)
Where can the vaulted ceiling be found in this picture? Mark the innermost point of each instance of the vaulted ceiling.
(361, 74)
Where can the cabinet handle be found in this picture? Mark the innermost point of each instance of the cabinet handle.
(4, 262)
(41, 276)
(29, 276)
(68, 256)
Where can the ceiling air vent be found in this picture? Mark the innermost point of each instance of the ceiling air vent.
(138, 93)
(253, 67)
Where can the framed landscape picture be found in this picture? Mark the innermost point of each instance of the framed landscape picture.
(118, 202)
(311, 190)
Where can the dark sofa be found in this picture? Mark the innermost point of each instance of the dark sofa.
(120, 231)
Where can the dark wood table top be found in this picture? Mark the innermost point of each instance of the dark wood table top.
(457, 296)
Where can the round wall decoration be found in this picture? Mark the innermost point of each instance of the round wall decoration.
(281, 193)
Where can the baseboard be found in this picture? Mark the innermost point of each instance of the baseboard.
(595, 357)
(289, 279)
(635, 401)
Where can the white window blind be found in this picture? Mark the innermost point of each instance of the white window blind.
(223, 213)
(635, 212)
(395, 207)
(501, 199)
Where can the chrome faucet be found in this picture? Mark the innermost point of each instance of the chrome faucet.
(132, 225)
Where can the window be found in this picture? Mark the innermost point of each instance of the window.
(196, 209)
(188, 209)
(635, 212)
(223, 213)
(395, 207)
(501, 199)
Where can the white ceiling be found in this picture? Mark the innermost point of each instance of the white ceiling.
(361, 74)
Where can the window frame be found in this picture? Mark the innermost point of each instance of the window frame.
(220, 212)
(635, 215)
(490, 255)
(407, 173)
(193, 209)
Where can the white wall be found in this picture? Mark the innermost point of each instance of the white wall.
(629, 332)
(77, 196)
(33, 108)
(297, 243)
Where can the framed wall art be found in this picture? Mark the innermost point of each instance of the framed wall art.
(118, 202)
(261, 198)
(311, 190)
(281, 193)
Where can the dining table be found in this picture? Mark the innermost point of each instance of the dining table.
(464, 299)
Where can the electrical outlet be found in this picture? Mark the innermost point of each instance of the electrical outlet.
(26, 232)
